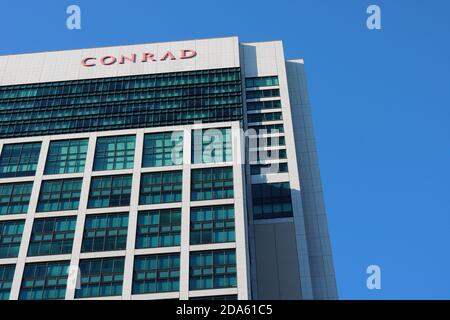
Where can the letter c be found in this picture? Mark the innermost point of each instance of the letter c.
(84, 62)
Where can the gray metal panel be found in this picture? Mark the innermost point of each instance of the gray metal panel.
(277, 265)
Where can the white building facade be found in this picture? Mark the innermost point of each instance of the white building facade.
(179, 170)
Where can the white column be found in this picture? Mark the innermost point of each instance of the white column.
(133, 216)
(81, 216)
(28, 227)
(240, 214)
(185, 215)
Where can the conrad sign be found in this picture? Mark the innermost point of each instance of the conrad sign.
(144, 57)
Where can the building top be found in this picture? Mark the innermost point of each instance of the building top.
(163, 57)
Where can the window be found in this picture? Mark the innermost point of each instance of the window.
(113, 153)
(212, 183)
(158, 228)
(52, 236)
(105, 232)
(101, 277)
(126, 102)
(266, 128)
(266, 116)
(163, 149)
(46, 280)
(15, 197)
(19, 160)
(261, 82)
(10, 236)
(156, 273)
(6, 279)
(160, 187)
(261, 105)
(110, 191)
(212, 224)
(271, 168)
(271, 200)
(212, 269)
(59, 195)
(268, 93)
(66, 156)
(263, 155)
(211, 145)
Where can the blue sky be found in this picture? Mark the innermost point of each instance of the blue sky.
(381, 108)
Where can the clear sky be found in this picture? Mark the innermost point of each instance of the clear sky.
(380, 102)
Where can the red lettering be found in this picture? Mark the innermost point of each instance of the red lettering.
(111, 61)
(148, 55)
(84, 62)
(168, 55)
(131, 59)
(188, 53)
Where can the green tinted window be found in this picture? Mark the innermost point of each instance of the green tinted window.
(44, 281)
(114, 153)
(160, 187)
(212, 269)
(6, 279)
(212, 224)
(59, 195)
(211, 183)
(10, 237)
(156, 273)
(15, 197)
(66, 156)
(101, 277)
(110, 191)
(163, 149)
(158, 228)
(211, 145)
(105, 232)
(52, 236)
(19, 160)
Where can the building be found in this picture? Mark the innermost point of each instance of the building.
(178, 170)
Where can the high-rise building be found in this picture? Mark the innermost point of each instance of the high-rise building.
(177, 170)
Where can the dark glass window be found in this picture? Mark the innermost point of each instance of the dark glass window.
(261, 105)
(211, 183)
(15, 197)
(266, 129)
(267, 116)
(271, 200)
(257, 94)
(19, 160)
(158, 228)
(212, 145)
(10, 236)
(6, 279)
(110, 191)
(66, 156)
(101, 277)
(212, 224)
(271, 168)
(52, 236)
(59, 195)
(126, 102)
(105, 232)
(261, 81)
(212, 269)
(156, 273)
(163, 149)
(46, 280)
(114, 153)
(160, 187)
